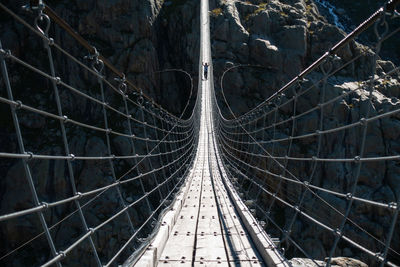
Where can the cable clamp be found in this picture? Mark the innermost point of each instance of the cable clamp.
(122, 85)
(18, 104)
(97, 64)
(91, 230)
(57, 80)
(30, 155)
(5, 53)
(379, 256)
(71, 157)
(45, 205)
(33, 5)
(394, 206)
(286, 232)
(50, 41)
(65, 119)
(62, 254)
(337, 232)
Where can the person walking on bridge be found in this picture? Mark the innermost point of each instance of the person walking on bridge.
(205, 66)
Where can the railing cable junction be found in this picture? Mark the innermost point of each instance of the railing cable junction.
(260, 148)
(170, 144)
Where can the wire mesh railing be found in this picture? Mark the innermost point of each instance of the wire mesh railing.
(318, 159)
(97, 161)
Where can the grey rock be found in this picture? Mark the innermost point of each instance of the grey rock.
(33, 121)
(294, 38)
(219, 47)
(348, 262)
(303, 262)
(243, 53)
(265, 53)
(221, 32)
(237, 33)
(261, 24)
(335, 262)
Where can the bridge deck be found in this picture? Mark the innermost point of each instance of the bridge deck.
(208, 230)
(209, 225)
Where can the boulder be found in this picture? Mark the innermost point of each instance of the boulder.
(347, 262)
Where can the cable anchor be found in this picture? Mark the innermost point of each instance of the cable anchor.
(38, 7)
(122, 87)
(97, 64)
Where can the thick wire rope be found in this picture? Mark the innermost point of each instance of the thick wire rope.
(317, 222)
(93, 230)
(339, 230)
(262, 106)
(161, 140)
(51, 42)
(82, 195)
(389, 7)
(103, 189)
(392, 206)
(27, 168)
(267, 214)
(39, 34)
(255, 141)
(315, 83)
(378, 204)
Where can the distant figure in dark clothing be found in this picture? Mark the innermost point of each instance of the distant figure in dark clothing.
(205, 65)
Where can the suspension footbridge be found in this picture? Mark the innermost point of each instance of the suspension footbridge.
(140, 186)
(206, 229)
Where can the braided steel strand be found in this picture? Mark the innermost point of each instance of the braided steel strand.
(319, 142)
(108, 142)
(25, 163)
(339, 232)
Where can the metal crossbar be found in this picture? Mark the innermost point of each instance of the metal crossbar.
(170, 144)
(262, 150)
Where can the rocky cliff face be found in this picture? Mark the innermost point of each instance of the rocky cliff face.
(144, 36)
(140, 38)
(283, 37)
(279, 39)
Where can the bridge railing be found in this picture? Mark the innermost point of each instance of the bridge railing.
(318, 160)
(89, 162)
